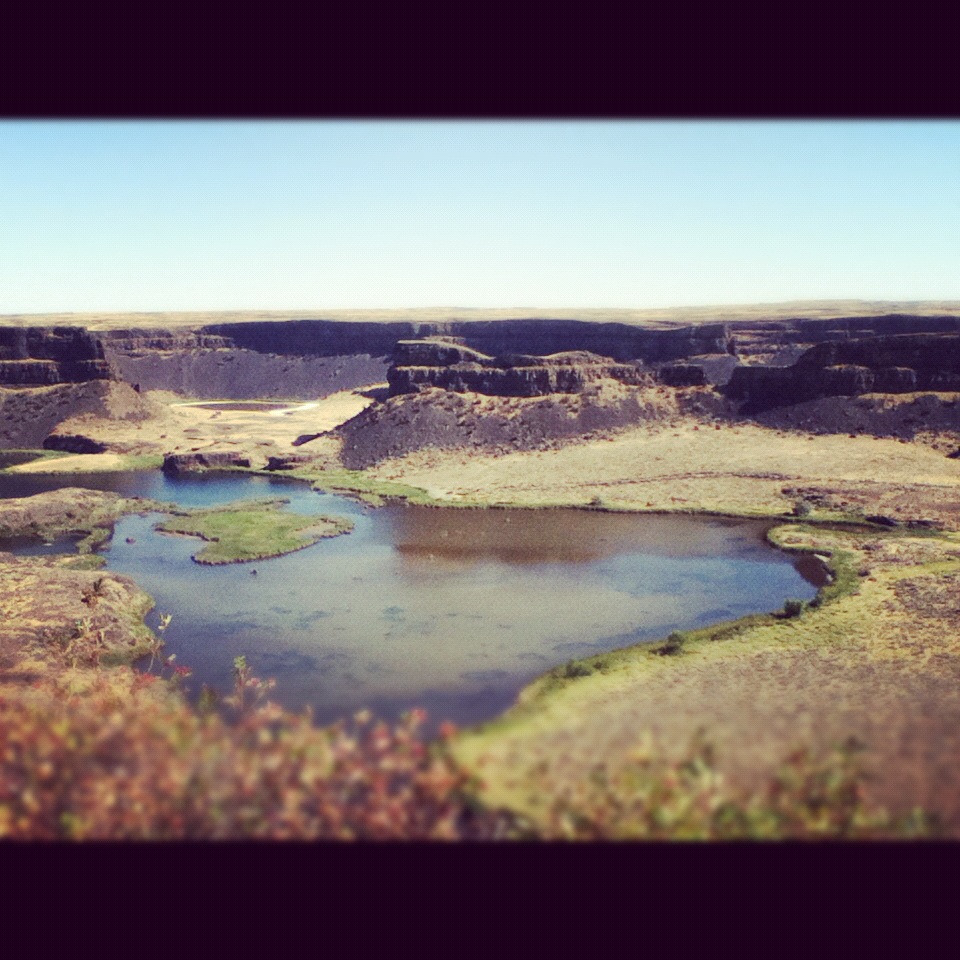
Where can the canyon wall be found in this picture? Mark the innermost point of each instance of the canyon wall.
(887, 364)
(493, 337)
(449, 364)
(45, 356)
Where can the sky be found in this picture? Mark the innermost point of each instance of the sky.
(143, 216)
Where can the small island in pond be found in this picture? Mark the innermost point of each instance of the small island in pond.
(258, 530)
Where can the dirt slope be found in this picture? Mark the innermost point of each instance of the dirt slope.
(443, 420)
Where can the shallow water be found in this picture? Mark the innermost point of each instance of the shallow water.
(449, 609)
(256, 406)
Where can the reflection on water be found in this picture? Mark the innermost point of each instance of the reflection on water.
(560, 536)
(449, 609)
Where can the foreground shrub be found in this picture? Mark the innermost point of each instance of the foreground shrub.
(149, 770)
(806, 799)
(123, 763)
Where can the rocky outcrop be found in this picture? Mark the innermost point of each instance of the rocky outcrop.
(309, 358)
(896, 364)
(436, 352)
(136, 339)
(682, 375)
(933, 357)
(441, 419)
(621, 341)
(289, 461)
(44, 356)
(203, 460)
(450, 365)
(73, 443)
(28, 416)
(306, 359)
(880, 325)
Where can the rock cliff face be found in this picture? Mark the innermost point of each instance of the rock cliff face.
(449, 364)
(682, 375)
(778, 343)
(309, 358)
(895, 364)
(44, 356)
(492, 337)
(882, 325)
(305, 359)
(930, 355)
(211, 374)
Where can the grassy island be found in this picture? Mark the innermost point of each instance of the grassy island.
(256, 531)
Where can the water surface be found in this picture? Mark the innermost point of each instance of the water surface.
(450, 609)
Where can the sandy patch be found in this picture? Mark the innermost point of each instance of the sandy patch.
(178, 427)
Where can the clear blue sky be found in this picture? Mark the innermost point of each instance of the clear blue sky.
(313, 215)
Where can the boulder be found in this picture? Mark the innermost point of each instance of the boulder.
(288, 461)
(204, 460)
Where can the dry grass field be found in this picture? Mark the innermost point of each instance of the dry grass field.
(655, 318)
(692, 465)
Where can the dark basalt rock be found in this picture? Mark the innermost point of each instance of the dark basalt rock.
(49, 343)
(925, 353)
(682, 375)
(73, 443)
(44, 356)
(508, 376)
(29, 373)
(880, 325)
(155, 338)
(537, 337)
(896, 364)
(289, 461)
(203, 460)
(435, 352)
(881, 521)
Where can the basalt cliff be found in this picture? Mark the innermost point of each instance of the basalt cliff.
(52, 372)
(903, 363)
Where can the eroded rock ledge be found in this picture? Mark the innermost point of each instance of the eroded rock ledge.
(44, 356)
(447, 363)
(894, 364)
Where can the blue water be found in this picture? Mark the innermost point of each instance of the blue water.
(450, 609)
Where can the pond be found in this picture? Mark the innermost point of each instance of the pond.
(451, 609)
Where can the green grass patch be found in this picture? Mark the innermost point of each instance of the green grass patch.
(363, 486)
(83, 561)
(15, 458)
(257, 531)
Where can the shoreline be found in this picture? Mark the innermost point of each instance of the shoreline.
(542, 708)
